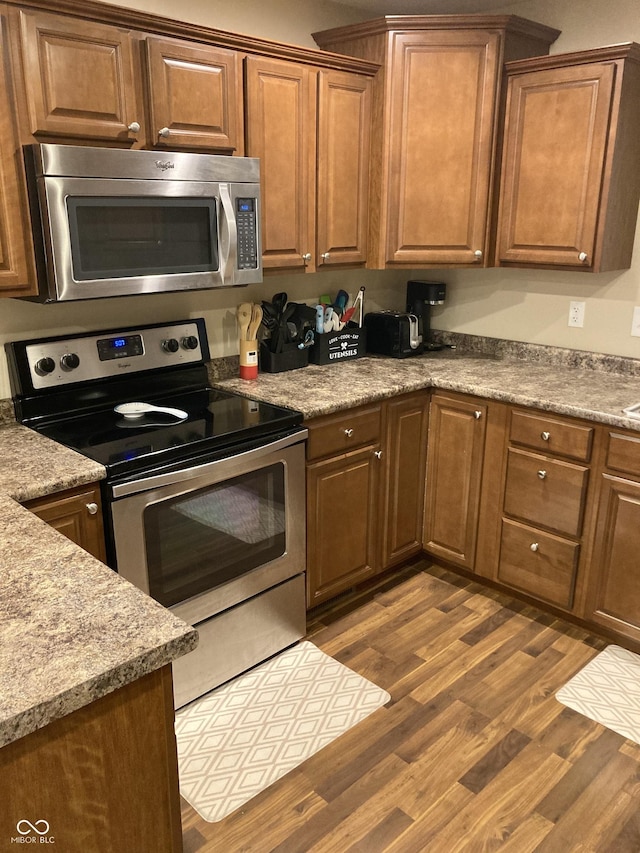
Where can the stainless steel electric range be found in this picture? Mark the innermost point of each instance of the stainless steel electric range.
(204, 498)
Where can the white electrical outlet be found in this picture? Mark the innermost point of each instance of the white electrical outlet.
(576, 314)
(635, 323)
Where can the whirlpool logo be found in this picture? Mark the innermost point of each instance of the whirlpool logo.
(33, 833)
(163, 165)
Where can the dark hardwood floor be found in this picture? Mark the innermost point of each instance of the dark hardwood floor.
(472, 753)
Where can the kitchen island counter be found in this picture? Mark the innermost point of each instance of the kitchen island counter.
(71, 629)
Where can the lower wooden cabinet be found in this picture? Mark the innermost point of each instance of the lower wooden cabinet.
(104, 777)
(455, 461)
(77, 513)
(365, 488)
(613, 599)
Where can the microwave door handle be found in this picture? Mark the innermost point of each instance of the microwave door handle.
(228, 237)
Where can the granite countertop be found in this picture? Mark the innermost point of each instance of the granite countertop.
(71, 629)
(597, 395)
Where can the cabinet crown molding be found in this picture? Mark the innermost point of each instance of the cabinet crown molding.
(152, 24)
(391, 23)
(628, 51)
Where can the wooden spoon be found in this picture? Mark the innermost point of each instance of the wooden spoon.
(243, 316)
(256, 319)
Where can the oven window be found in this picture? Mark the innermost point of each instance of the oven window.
(126, 237)
(197, 541)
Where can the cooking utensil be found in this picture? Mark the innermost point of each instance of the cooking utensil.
(307, 341)
(359, 303)
(132, 411)
(340, 302)
(254, 325)
(327, 325)
(243, 317)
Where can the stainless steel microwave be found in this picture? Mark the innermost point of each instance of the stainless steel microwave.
(113, 222)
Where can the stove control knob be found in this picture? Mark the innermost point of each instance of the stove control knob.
(190, 342)
(69, 361)
(44, 366)
(170, 345)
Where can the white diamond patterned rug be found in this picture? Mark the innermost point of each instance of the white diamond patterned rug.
(607, 690)
(240, 738)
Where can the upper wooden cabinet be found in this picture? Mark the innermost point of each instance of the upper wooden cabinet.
(17, 277)
(195, 96)
(570, 180)
(78, 78)
(436, 104)
(310, 129)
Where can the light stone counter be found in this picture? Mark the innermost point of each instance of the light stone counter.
(596, 395)
(71, 629)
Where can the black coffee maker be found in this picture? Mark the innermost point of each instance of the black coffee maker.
(421, 295)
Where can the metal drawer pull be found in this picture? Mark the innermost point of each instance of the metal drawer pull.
(134, 127)
(534, 546)
(477, 415)
(325, 256)
(545, 436)
(92, 509)
(542, 474)
(307, 258)
(582, 256)
(377, 454)
(348, 433)
(164, 132)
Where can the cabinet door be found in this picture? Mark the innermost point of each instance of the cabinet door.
(78, 78)
(615, 585)
(404, 454)
(342, 500)
(344, 123)
(281, 131)
(442, 114)
(556, 130)
(77, 515)
(195, 96)
(17, 277)
(454, 478)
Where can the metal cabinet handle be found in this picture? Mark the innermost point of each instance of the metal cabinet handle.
(582, 257)
(477, 415)
(348, 433)
(306, 257)
(545, 436)
(92, 508)
(377, 454)
(534, 546)
(134, 127)
(477, 255)
(164, 132)
(325, 256)
(542, 474)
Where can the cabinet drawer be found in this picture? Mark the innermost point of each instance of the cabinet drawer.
(623, 453)
(546, 492)
(551, 435)
(342, 432)
(538, 563)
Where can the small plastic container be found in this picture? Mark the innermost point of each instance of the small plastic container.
(291, 358)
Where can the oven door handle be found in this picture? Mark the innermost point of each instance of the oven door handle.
(120, 490)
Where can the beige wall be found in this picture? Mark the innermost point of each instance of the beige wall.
(521, 305)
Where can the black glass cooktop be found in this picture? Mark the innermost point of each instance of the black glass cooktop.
(216, 421)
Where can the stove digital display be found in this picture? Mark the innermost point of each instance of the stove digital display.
(121, 347)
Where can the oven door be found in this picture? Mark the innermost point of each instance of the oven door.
(106, 237)
(205, 538)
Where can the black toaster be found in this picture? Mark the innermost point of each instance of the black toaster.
(393, 333)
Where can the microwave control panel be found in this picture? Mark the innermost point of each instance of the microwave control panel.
(247, 233)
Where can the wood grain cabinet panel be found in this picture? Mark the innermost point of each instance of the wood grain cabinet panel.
(547, 492)
(614, 599)
(195, 94)
(455, 458)
(551, 435)
(570, 186)
(17, 275)
(311, 130)
(77, 514)
(79, 78)
(434, 135)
